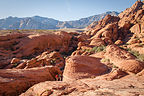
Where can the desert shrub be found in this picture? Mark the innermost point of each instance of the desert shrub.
(105, 60)
(141, 45)
(98, 49)
(15, 64)
(114, 66)
(139, 56)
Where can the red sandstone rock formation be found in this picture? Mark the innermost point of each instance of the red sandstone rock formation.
(78, 67)
(84, 74)
(15, 81)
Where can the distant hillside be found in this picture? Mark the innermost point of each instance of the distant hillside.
(84, 22)
(38, 22)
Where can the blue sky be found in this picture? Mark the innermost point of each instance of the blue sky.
(61, 9)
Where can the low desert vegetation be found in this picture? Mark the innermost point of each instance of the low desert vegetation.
(95, 49)
(105, 60)
(98, 49)
(15, 64)
(114, 66)
(141, 45)
(139, 56)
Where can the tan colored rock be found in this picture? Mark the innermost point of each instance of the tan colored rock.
(119, 42)
(78, 67)
(15, 81)
(15, 60)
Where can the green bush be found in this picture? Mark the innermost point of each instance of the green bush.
(136, 54)
(105, 60)
(98, 49)
(114, 66)
(141, 57)
(15, 64)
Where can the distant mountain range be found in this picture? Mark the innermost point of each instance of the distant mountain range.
(38, 22)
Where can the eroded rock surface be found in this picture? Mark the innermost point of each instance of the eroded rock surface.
(105, 60)
(78, 67)
(15, 81)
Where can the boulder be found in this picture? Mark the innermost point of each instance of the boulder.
(131, 65)
(15, 81)
(123, 59)
(78, 67)
(115, 54)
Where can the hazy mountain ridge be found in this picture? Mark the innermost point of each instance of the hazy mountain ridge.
(37, 22)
